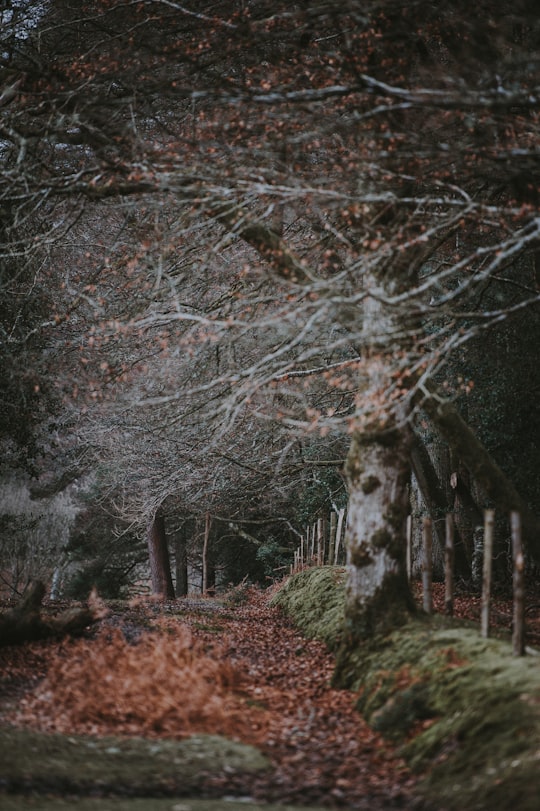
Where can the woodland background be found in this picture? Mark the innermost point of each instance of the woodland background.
(238, 239)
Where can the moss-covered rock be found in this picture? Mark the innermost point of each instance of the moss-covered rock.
(35, 761)
(35, 803)
(464, 711)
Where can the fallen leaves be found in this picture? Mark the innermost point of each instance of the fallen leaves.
(243, 671)
(164, 685)
(257, 681)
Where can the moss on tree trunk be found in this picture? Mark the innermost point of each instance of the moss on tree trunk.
(378, 597)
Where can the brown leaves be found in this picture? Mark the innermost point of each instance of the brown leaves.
(164, 685)
(321, 747)
(248, 675)
(192, 666)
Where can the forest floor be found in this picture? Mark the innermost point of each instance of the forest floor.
(196, 699)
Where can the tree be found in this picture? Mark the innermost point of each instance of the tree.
(325, 196)
(24, 623)
(160, 568)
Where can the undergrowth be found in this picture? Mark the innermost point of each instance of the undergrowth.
(164, 685)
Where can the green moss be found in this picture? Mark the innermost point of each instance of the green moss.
(485, 709)
(136, 766)
(367, 621)
(403, 711)
(381, 435)
(369, 484)
(315, 599)
(354, 467)
(381, 539)
(465, 712)
(32, 803)
(395, 516)
(361, 554)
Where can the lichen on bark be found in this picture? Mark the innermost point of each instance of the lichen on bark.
(377, 593)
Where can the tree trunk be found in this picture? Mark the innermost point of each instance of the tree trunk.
(437, 503)
(181, 563)
(205, 567)
(430, 486)
(208, 562)
(487, 474)
(25, 622)
(377, 594)
(467, 514)
(160, 566)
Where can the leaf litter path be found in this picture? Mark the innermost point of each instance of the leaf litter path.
(322, 750)
(173, 669)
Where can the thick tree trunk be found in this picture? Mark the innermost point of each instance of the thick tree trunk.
(160, 566)
(430, 486)
(377, 596)
(487, 474)
(468, 516)
(437, 503)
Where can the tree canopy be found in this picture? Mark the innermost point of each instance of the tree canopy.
(236, 236)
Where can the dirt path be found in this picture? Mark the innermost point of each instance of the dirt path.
(275, 689)
(321, 749)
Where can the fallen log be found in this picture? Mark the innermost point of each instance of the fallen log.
(26, 623)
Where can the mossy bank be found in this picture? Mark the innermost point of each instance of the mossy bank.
(464, 712)
(38, 769)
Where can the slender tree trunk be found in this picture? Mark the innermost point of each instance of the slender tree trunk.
(427, 565)
(449, 559)
(518, 631)
(332, 539)
(489, 523)
(181, 563)
(210, 576)
(206, 542)
(160, 566)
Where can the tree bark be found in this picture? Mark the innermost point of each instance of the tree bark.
(25, 622)
(181, 563)
(467, 514)
(205, 566)
(160, 566)
(430, 487)
(377, 593)
(436, 502)
(378, 470)
(486, 572)
(518, 630)
(483, 468)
